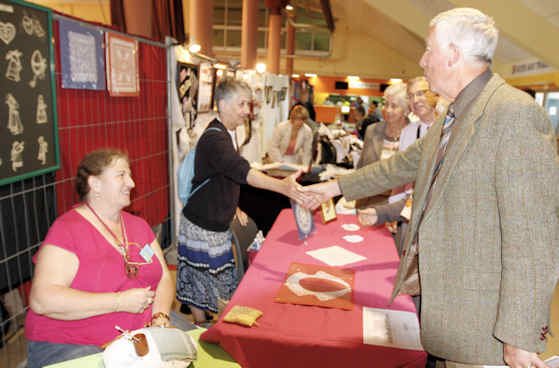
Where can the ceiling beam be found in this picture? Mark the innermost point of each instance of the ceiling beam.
(327, 12)
(532, 32)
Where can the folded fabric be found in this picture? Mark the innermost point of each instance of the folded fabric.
(242, 315)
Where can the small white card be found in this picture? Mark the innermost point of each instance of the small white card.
(335, 256)
(396, 329)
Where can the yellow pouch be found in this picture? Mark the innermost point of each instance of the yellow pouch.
(245, 316)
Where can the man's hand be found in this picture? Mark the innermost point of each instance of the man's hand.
(367, 216)
(518, 358)
(322, 192)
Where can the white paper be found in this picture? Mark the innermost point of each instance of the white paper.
(396, 329)
(335, 256)
(350, 227)
(353, 238)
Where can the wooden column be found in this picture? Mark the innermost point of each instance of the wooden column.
(290, 49)
(249, 40)
(200, 27)
(138, 15)
(274, 41)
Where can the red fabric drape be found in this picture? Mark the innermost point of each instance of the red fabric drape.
(168, 20)
(117, 15)
(89, 120)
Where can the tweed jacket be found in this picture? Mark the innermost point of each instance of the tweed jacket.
(488, 242)
(280, 142)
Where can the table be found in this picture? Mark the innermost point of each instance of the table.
(308, 336)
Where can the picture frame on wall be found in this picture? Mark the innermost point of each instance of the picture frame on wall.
(206, 87)
(82, 60)
(121, 55)
(29, 131)
(188, 87)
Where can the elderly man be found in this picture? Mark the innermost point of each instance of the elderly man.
(484, 226)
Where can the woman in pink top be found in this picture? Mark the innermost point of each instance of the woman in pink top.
(97, 268)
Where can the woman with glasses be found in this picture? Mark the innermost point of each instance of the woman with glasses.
(97, 268)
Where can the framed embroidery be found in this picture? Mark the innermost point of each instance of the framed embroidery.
(188, 85)
(82, 60)
(323, 286)
(122, 65)
(28, 124)
(205, 92)
(303, 219)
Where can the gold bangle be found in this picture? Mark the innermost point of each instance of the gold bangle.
(117, 301)
(160, 314)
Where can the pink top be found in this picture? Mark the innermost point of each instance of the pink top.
(101, 269)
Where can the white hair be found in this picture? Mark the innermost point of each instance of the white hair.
(398, 93)
(470, 30)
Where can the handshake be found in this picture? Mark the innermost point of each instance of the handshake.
(310, 196)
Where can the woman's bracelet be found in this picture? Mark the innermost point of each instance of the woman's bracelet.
(159, 315)
(117, 301)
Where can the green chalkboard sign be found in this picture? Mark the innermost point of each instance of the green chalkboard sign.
(28, 125)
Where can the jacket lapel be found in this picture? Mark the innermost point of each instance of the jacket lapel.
(461, 135)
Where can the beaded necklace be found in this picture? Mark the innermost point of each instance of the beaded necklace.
(131, 270)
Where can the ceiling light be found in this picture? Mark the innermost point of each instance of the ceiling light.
(289, 7)
(194, 48)
(353, 78)
(310, 75)
(394, 80)
(260, 67)
(294, 75)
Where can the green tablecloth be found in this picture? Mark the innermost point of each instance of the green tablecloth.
(209, 356)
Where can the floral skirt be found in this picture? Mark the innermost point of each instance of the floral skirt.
(206, 267)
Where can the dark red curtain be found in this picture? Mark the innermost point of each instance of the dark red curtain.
(117, 15)
(168, 20)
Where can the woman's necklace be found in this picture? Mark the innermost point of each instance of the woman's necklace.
(131, 270)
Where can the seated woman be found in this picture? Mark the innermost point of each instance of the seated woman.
(383, 139)
(292, 139)
(98, 267)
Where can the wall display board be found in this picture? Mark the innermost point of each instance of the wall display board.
(122, 65)
(205, 93)
(28, 125)
(81, 56)
(187, 84)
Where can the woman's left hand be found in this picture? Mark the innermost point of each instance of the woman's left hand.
(242, 217)
(160, 320)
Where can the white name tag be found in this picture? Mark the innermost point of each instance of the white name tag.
(147, 253)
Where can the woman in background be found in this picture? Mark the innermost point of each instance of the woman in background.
(382, 139)
(292, 139)
(90, 275)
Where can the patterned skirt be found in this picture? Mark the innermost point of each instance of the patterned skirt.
(206, 267)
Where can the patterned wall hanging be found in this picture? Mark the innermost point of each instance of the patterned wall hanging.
(28, 131)
(81, 56)
(122, 65)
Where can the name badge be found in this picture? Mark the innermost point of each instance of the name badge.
(147, 253)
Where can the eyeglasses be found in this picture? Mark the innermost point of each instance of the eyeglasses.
(133, 268)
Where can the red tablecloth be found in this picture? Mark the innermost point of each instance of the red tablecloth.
(290, 335)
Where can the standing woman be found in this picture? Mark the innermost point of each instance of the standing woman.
(382, 139)
(206, 268)
(292, 139)
(89, 273)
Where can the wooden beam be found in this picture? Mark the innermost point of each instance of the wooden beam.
(327, 12)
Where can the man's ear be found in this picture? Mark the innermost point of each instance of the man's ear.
(454, 55)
